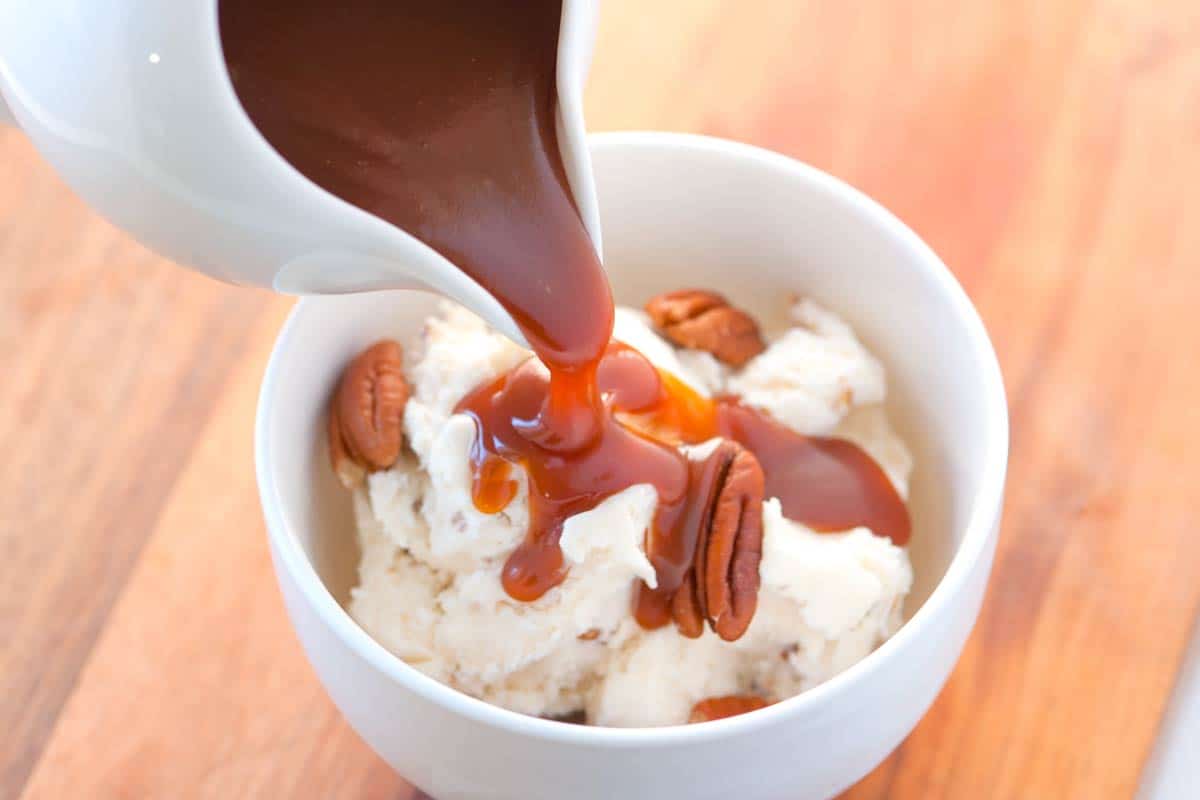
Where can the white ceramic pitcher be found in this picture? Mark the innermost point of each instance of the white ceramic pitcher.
(131, 102)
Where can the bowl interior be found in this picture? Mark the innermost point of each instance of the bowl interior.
(691, 212)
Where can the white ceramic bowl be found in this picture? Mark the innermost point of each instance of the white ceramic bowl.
(676, 211)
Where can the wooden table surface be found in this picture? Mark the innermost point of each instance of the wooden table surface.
(1049, 150)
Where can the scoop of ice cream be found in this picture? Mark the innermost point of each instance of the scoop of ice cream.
(395, 599)
(455, 353)
(810, 377)
(489, 634)
(658, 676)
(835, 594)
(460, 626)
(429, 580)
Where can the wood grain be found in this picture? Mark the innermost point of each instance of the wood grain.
(198, 673)
(113, 360)
(1050, 151)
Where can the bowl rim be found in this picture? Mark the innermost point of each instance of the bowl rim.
(980, 529)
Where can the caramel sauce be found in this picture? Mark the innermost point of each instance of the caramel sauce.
(494, 487)
(439, 116)
(825, 483)
(562, 484)
(724, 707)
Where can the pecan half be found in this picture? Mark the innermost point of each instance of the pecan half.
(727, 706)
(705, 320)
(686, 609)
(367, 412)
(722, 586)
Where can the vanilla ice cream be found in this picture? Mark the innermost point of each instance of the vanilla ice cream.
(429, 581)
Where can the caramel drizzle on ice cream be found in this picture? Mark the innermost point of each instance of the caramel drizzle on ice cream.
(828, 484)
(441, 118)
